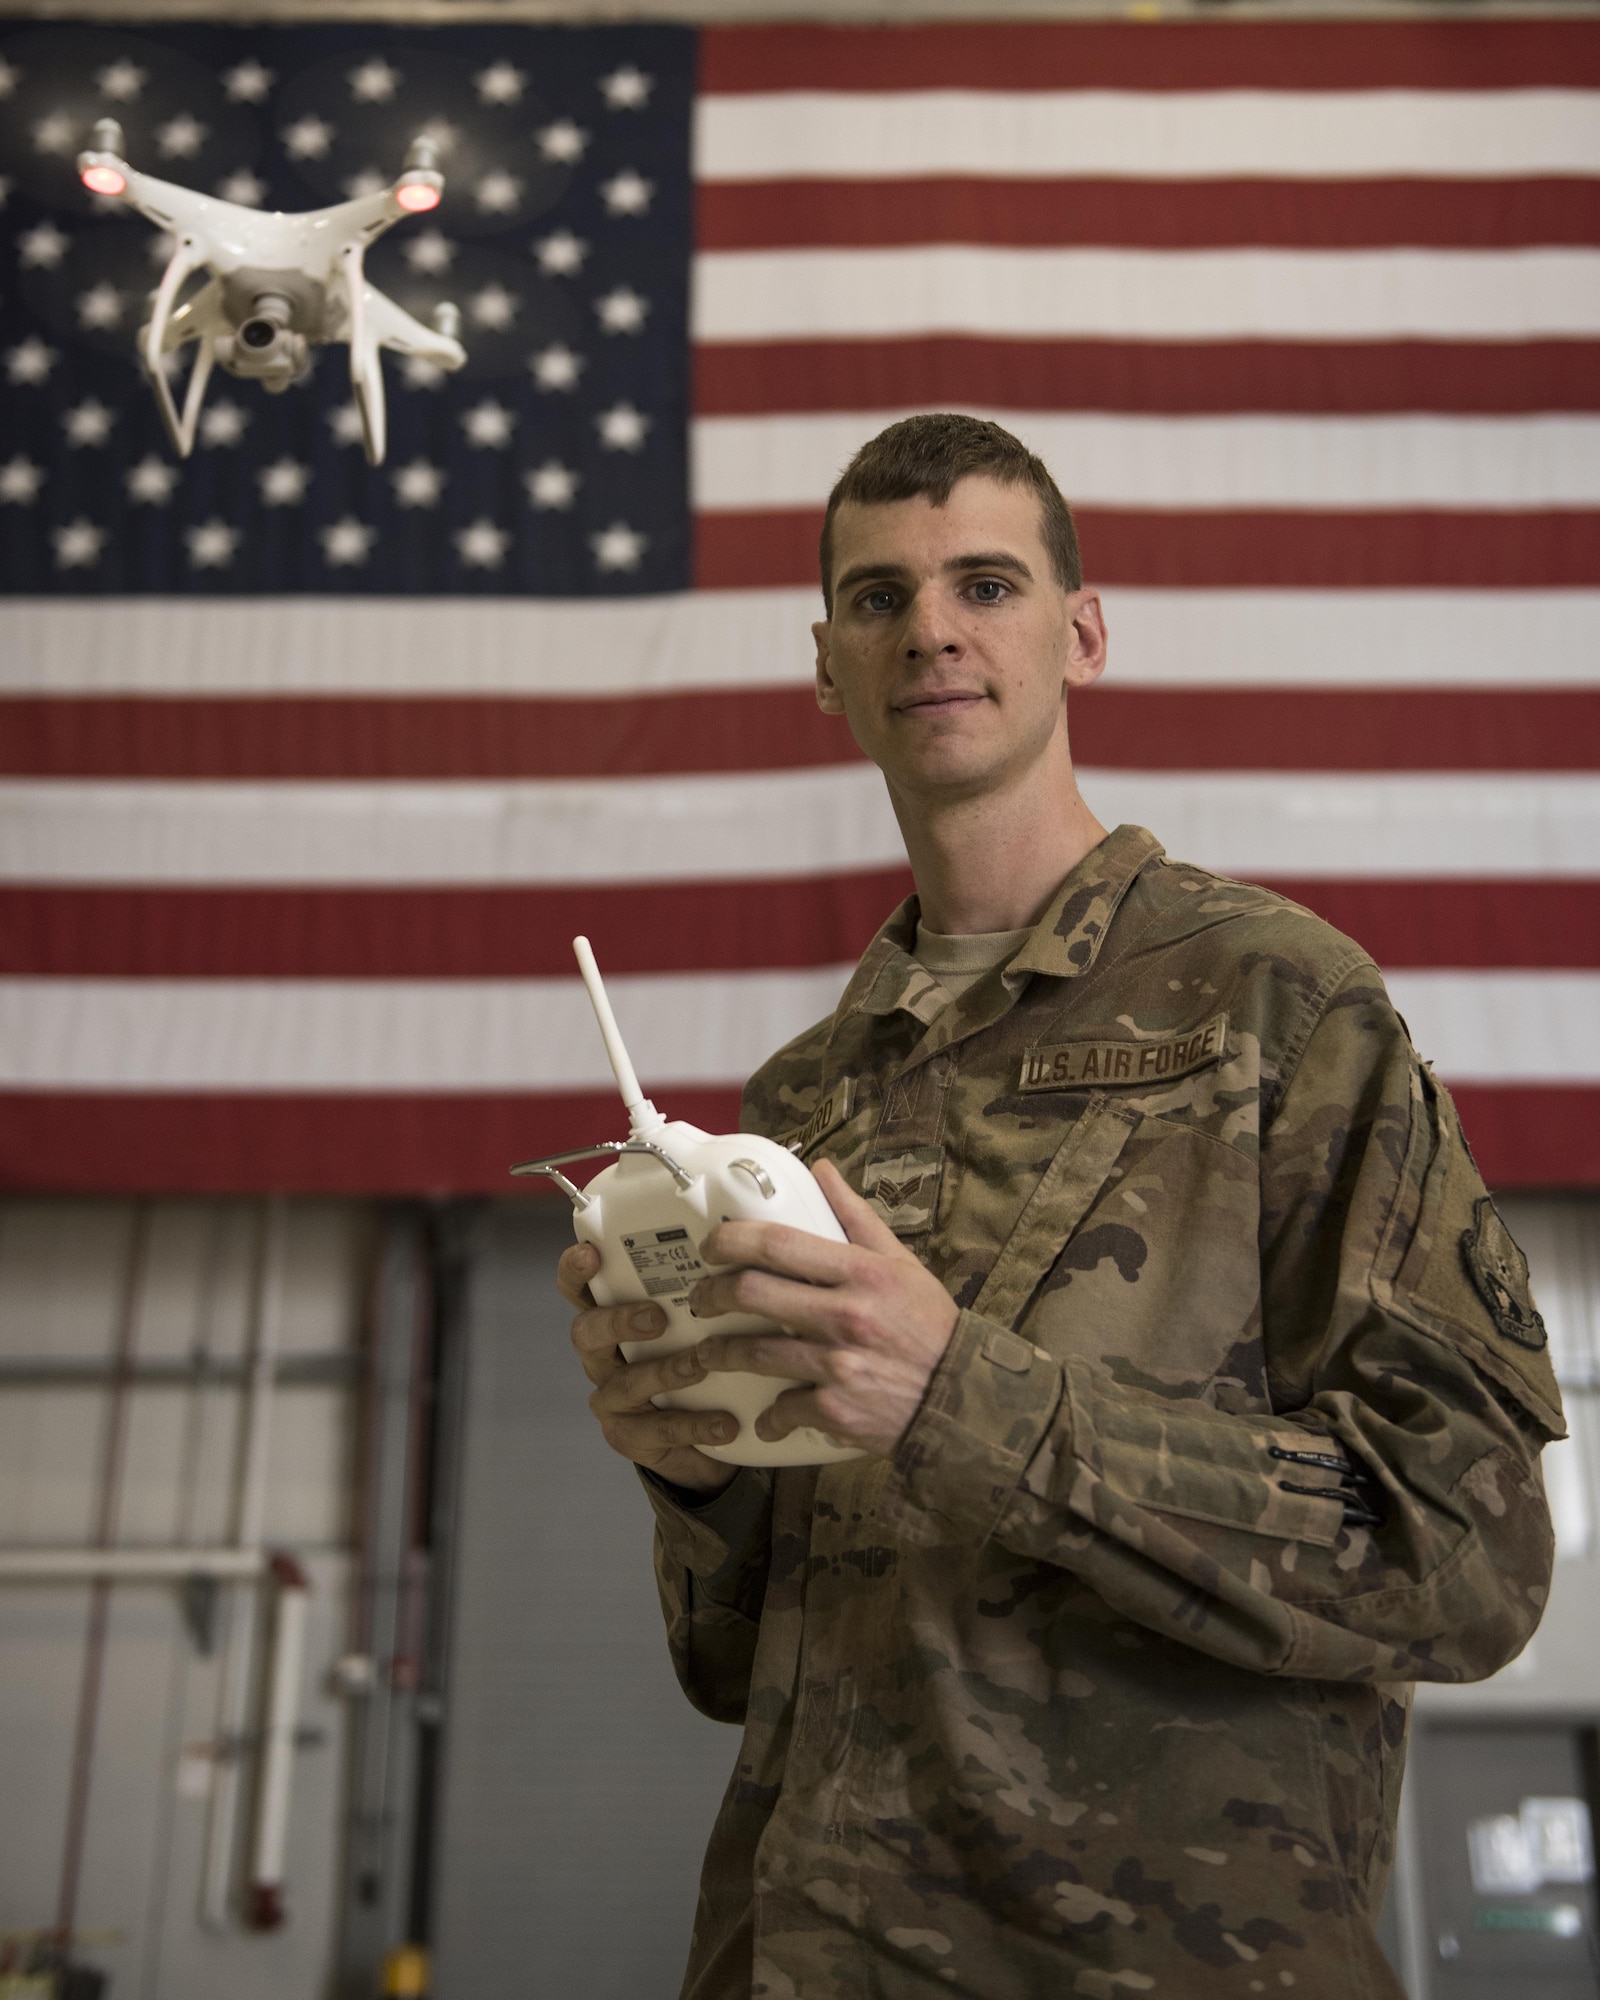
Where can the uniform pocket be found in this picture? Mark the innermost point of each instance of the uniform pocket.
(1065, 1193)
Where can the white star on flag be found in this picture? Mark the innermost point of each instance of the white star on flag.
(488, 424)
(497, 192)
(556, 367)
(418, 484)
(42, 247)
(122, 80)
(618, 547)
(180, 138)
(356, 187)
(622, 310)
(284, 482)
(55, 133)
(374, 81)
(8, 77)
(78, 544)
(151, 481)
(223, 424)
(482, 545)
(307, 138)
(243, 188)
(29, 362)
(88, 423)
(344, 420)
(248, 82)
(627, 193)
(627, 89)
(417, 373)
(493, 307)
(100, 306)
(346, 543)
(561, 254)
(551, 484)
(622, 427)
(500, 83)
(442, 133)
(20, 480)
(431, 253)
(563, 141)
(212, 544)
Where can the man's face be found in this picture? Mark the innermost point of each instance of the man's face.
(951, 644)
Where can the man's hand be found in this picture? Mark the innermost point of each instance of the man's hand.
(663, 1441)
(871, 1322)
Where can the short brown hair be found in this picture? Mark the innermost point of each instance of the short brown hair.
(923, 457)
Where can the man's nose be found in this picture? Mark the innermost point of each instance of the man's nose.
(929, 628)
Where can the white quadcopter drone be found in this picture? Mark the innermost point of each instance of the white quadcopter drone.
(280, 284)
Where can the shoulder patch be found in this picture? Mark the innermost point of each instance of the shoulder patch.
(1499, 1271)
(1094, 1065)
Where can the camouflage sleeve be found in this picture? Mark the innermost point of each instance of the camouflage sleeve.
(1401, 1342)
(711, 1574)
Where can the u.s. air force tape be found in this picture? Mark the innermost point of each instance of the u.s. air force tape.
(1094, 1065)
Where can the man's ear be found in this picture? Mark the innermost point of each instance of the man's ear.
(829, 699)
(1086, 642)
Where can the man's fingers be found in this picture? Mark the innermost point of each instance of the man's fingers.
(795, 1409)
(631, 1385)
(577, 1266)
(859, 1220)
(798, 1308)
(795, 1253)
(644, 1435)
(763, 1354)
(597, 1334)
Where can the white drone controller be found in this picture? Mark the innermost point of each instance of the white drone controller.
(650, 1212)
(280, 285)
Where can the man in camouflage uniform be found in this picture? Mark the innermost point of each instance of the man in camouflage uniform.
(1198, 1378)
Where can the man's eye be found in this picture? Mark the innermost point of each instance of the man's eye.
(878, 600)
(988, 590)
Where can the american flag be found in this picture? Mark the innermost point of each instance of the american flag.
(311, 769)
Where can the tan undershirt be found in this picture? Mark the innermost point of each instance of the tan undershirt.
(959, 962)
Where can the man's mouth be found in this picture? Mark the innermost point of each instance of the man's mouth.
(940, 701)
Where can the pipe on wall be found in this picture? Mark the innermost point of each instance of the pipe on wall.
(265, 1900)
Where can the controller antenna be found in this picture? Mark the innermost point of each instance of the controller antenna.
(644, 1120)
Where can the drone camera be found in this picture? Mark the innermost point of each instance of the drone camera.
(265, 346)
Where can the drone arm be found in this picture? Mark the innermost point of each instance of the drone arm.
(392, 326)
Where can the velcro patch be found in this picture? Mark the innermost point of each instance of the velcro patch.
(1498, 1269)
(1093, 1065)
(833, 1109)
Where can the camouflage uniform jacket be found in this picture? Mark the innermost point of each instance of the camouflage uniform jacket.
(1089, 1690)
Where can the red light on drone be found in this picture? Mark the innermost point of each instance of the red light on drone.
(416, 196)
(104, 180)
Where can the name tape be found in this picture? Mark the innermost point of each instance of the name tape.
(833, 1110)
(1093, 1065)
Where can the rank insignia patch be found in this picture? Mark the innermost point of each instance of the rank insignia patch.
(904, 1188)
(1499, 1270)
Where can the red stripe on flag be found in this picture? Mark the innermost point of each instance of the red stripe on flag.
(1148, 214)
(1271, 549)
(1446, 925)
(461, 933)
(1177, 55)
(473, 933)
(778, 728)
(336, 736)
(1156, 377)
(111, 1143)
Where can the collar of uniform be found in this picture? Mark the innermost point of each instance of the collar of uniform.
(1066, 940)
(890, 979)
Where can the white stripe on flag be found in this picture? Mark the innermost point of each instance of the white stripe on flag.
(1146, 135)
(748, 827)
(438, 1035)
(762, 638)
(1324, 295)
(427, 1035)
(1503, 1027)
(1177, 462)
